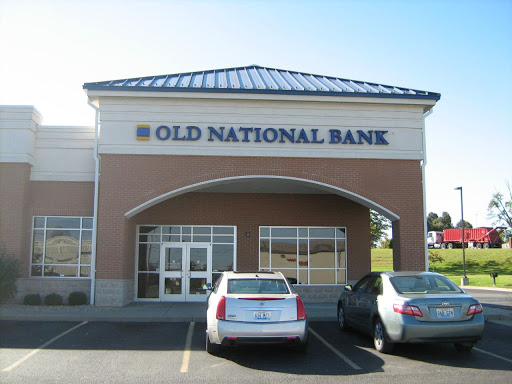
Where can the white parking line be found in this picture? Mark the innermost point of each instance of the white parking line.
(26, 357)
(188, 344)
(493, 355)
(338, 353)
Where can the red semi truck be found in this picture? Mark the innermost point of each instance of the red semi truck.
(482, 237)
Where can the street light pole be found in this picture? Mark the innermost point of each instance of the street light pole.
(465, 280)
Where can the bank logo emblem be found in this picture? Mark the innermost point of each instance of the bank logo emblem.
(143, 132)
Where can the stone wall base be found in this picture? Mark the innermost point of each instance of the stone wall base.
(114, 293)
(46, 286)
(319, 293)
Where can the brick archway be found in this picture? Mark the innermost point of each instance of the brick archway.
(320, 186)
(135, 185)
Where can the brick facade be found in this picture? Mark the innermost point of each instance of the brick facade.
(130, 180)
(14, 211)
(20, 200)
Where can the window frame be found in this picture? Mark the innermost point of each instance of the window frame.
(267, 234)
(44, 229)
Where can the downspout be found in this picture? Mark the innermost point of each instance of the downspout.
(96, 193)
(423, 164)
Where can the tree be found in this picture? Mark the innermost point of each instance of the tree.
(446, 219)
(436, 223)
(378, 224)
(433, 223)
(501, 210)
(467, 224)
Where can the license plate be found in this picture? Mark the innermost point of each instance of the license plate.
(262, 315)
(445, 313)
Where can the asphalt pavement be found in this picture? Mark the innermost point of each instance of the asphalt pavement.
(497, 305)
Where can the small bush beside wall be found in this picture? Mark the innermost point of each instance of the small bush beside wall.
(32, 299)
(53, 299)
(10, 269)
(77, 298)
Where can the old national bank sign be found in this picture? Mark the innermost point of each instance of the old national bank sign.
(258, 135)
(184, 176)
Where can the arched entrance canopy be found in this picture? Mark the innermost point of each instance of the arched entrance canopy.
(265, 184)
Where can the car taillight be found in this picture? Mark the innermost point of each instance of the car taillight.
(407, 310)
(221, 309)
(301, 311)
(474, 309)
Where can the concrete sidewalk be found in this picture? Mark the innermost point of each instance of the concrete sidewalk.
(177, 312)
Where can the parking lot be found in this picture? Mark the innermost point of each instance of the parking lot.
(128, 352)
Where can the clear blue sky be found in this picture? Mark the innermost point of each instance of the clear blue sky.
(461, 49)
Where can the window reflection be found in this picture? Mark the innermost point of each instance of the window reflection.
(322, 276)
(313, 255)
(61, 247)
(284, 253)
(222, 257)
(196, 286)
(85, 257)
(37, 247)
(149, 257)
(63, 222)
(60, 271)
(198, 259)
(148, 285)
(264, 254)
(321, 253)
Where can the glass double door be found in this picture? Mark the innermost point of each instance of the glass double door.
(184, 269)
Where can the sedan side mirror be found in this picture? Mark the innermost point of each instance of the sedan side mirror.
(348, 288)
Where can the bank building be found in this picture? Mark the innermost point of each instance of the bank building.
(186, 175)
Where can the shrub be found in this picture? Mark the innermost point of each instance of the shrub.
(53, 299)
(77, 298)
(10, 270)
(32, 299)
(434, 258)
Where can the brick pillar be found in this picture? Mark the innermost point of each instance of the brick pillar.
(14, 220)
(409, 244)
(397, 261)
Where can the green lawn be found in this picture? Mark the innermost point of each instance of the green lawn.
(479, 264)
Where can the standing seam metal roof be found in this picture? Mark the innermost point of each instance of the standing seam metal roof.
(256, 79)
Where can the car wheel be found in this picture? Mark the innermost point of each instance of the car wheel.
(379, 338)
(342, 324)
(211, 348)
(463, 347)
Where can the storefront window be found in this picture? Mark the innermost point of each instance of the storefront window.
(149, 257)
(61, 247)
(147, 285)
(222, 257)
(151, 239)
(312, 255)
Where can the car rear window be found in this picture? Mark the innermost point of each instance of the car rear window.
(267, 286)
(424, 284)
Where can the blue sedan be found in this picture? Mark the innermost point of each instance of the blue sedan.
(411, 307)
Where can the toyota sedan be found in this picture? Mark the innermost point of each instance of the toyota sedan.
(411, 307)
(254, 308)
